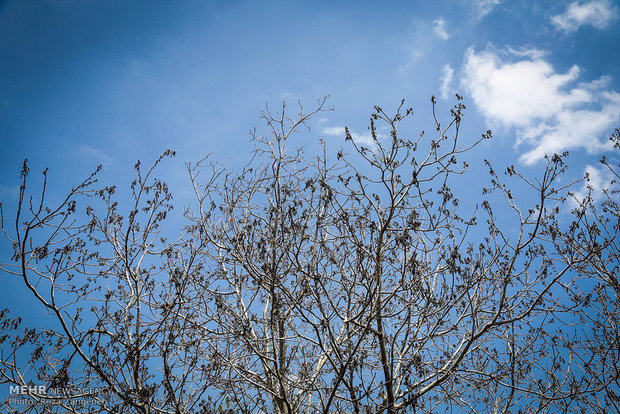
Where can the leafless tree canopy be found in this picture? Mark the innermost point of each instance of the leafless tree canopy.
(348, 282)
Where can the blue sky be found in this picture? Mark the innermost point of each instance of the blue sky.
(85, 82)
(110, 82)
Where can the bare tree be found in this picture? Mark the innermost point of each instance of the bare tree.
(113, 286)
(592, 240)
(353, 283)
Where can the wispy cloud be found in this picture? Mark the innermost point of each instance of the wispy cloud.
(334, 131)
(439, 28)
(598, 13)
(597, 184)
(414, 56)
(551, 111)
(92, 152)
(528, 52)
(447, 75)
(423, 39)
(484, 7)
(361, 139)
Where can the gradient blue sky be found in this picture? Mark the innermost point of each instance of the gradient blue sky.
(86, 82)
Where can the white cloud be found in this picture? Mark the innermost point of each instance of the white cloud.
(597, 13)
(550, 110)
(597, 184)
(440, 29)
(484, 7)
(334, 131)
(361, 139)
(447, 75)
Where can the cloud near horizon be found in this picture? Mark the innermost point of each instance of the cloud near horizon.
(551, 112)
